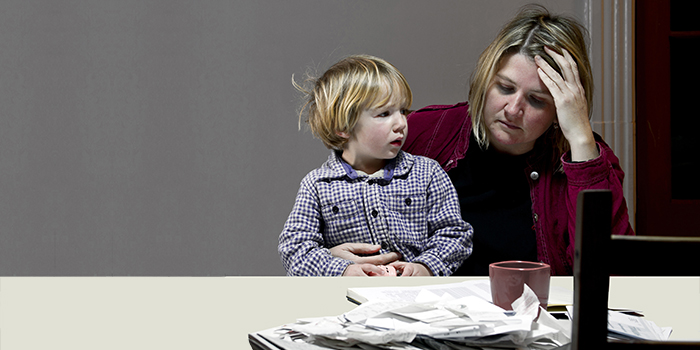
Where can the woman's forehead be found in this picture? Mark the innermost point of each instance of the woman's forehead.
(521, 70)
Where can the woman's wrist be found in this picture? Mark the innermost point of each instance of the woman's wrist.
(584, 149)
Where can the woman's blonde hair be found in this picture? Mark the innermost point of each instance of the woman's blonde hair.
(336, 99)
(527, 34)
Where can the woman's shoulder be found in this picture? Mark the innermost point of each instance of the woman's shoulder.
(458, 109)
(440, 132)
(439, 116)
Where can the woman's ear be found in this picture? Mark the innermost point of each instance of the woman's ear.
(343, 134)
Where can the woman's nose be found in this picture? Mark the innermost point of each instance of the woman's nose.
(514, 105)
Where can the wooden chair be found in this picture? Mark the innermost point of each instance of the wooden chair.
(598, 255)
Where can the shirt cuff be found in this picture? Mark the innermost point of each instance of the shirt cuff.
(436, 266)
(586, 173)
(337, 267)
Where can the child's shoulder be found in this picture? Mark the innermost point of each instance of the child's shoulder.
(419, 162)
(415, 158)
(329, 169)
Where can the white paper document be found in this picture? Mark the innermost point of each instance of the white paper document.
(622, 326)
(558, 296)
(478, 288)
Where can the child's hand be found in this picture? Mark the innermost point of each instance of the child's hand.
(411, 269)
(389, 270)
(362, 253)
(366, 270)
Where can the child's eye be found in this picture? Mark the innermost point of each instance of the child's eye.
(385, 114)
(404, 111)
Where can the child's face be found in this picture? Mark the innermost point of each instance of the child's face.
(378, 135)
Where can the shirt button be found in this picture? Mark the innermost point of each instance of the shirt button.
(385, 245)
(534, 175)
(335, 210)
(408, 201)
(374, 213)
(536, 217)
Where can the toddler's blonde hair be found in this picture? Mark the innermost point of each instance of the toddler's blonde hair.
(350, 86)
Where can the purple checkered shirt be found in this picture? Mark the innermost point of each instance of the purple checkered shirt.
(412, 210)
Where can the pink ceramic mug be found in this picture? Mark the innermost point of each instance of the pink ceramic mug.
(508, 277)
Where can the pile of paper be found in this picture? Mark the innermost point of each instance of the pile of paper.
(626, 327)
(431, 321)
(447, 317)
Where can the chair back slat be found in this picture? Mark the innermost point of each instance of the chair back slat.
(598, 255)
(591, 281)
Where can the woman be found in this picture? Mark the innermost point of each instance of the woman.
(522, 148)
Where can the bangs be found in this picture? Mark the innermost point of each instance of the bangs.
(388, 88)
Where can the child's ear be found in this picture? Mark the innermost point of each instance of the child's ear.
(343, 134)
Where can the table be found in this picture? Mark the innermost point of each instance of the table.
(220, 312)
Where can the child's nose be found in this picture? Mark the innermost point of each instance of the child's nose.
(401, 124)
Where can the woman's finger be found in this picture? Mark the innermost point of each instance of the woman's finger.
(548, 75)
(574, 66)
(566, 64)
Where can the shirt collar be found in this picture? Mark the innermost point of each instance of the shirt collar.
(388, 168)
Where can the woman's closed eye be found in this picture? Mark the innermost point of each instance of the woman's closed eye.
(505, 89)
(537, 102)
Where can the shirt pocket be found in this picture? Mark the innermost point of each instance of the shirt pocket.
(408, 219)
(344, 222)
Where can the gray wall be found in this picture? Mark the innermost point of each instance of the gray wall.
(160, 137)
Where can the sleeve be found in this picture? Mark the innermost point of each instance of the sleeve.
(603, 172)
(450, 237)
(301, 241)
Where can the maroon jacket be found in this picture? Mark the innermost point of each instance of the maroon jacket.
(442, 132)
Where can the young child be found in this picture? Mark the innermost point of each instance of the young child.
(369, 191)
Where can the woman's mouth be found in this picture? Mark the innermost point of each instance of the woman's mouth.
(508, 125)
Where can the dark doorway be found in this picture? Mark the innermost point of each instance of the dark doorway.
(667, 43)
